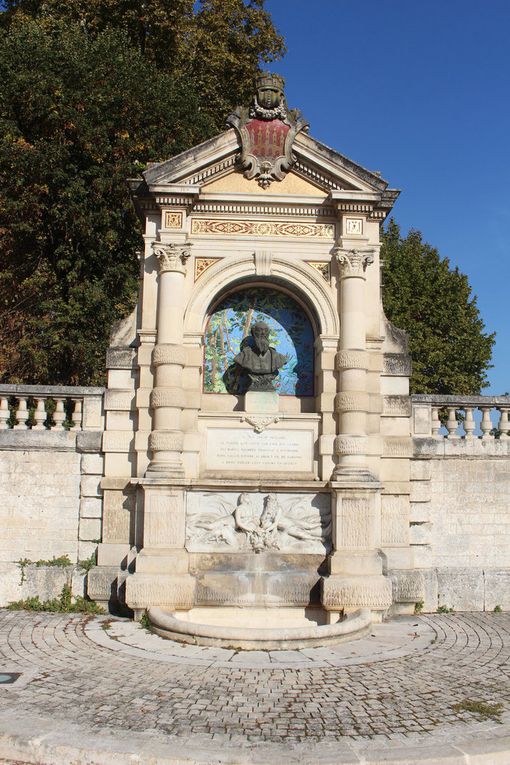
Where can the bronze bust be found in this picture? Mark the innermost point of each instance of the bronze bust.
(260, 360)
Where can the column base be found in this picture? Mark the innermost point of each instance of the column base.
(165, 469)
(346, 476)
(342, 593)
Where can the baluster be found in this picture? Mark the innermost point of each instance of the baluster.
(504, 424)
(469, 422)
(4, 413)
(486, 423)
(39, 415)
(451, 423)
(77, 414)
(59, 415)
(22, 414)
(436, 422)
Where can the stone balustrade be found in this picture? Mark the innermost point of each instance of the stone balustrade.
(461, 417)
(49, 407)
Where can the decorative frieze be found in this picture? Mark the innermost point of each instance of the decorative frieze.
(215, 227)
(261, 209)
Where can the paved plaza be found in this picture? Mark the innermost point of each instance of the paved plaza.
(92, 690)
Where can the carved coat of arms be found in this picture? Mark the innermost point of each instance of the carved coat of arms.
(267, 130)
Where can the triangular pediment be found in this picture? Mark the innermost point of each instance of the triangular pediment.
(212, 167)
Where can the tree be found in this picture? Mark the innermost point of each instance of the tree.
(215, 45)
(80, 111)
(449, 347)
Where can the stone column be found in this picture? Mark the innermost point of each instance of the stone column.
(168, 396)
(352, 400)
(355, 572)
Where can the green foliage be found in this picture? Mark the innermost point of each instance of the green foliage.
(64, 604)
(62, 562)
(445, 610)
(90, 92)
(481, 709)
(498, 610)
(418, 606)
(88, 563)
(145, 622)
(449, 348)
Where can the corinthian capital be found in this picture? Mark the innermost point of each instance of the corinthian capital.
(354, 262)
(172, 257)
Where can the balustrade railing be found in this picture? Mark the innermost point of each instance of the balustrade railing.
(45, 407)
(462, 417)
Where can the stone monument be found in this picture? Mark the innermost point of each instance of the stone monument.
(257, 426)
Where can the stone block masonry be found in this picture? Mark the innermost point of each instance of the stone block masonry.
(50, 498)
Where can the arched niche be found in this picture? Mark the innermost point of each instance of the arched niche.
(302, 281)
(292, 334)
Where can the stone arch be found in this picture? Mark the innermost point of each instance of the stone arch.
(296, 276)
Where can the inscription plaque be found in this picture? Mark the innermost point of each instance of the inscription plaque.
(242, 449)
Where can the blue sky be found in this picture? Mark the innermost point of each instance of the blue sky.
(421, 92)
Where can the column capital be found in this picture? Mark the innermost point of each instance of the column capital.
(172, 257)
(353, 262)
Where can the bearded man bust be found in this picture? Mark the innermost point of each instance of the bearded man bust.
(260, 360)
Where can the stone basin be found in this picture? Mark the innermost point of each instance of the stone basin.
(254, 629)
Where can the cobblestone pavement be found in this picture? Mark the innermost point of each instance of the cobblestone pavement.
(433, 686)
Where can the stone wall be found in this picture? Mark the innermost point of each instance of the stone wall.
(460, 508)
(50, 498)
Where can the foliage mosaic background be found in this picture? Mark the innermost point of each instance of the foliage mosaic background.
(290, 334)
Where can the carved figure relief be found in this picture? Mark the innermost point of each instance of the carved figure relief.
(267, 130)
(229, 522)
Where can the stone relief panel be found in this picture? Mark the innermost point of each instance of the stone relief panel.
(258, 522)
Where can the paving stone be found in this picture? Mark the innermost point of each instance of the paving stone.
(370, 696)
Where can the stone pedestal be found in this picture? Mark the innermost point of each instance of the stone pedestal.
(355, 569)
(162, 575)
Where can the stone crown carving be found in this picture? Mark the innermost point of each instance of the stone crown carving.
(172, 257)
(266, 131)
